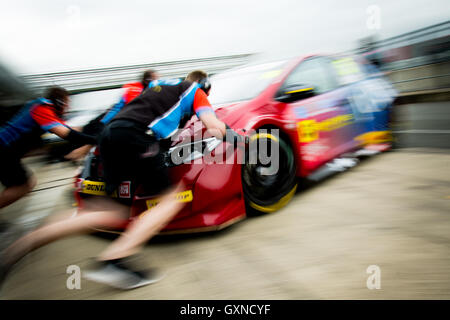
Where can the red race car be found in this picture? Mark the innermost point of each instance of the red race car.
(317, 113)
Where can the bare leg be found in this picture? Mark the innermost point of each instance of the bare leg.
(14, 193)
(144, 228)
(81, 223)
(89, 205)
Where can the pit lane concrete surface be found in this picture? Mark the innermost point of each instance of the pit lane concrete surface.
(391, 211)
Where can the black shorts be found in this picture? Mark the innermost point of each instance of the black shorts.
(12, 172)
(128, 154)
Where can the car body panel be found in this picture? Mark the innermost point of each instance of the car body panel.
(352, 115)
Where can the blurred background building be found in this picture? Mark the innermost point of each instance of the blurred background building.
(417, 61)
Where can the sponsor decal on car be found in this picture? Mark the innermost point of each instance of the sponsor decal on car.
(125, 189)
(184, 196)
(93, 187)
(308, 130)
(335, 122)
(374, 137)
(97, 188)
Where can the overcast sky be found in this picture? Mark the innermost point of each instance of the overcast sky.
(56, 35)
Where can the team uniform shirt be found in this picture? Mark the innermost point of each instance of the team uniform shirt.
(165, 104)
(132, 90)
(26, 127)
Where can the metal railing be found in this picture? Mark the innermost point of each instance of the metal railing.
(114, 77)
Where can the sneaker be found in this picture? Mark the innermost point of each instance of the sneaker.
(116, 274)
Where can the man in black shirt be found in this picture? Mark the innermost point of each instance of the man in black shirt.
(155, 115)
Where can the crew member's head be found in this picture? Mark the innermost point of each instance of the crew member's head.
(149, 76)
(59, 98)
(201, 77)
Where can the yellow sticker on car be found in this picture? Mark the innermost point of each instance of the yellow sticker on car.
(374, 137)
(308, 130)
(335, 122)
(97, 188)
(184, 196)
(93, 187)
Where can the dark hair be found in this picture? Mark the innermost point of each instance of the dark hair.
(148, 76)
(57, 95)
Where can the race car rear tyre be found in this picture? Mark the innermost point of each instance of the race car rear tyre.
(268, 187)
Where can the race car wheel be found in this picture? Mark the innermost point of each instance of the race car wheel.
(268, 187)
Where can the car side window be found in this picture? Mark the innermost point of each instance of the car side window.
(348, 70)
(314, 72)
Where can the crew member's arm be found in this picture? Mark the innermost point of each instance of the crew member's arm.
(79, 153)
(49, 121)
(73, 136)
(206, 114)
(214, 126)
